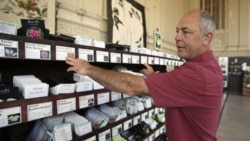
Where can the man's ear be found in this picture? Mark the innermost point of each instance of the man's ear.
(208, 38)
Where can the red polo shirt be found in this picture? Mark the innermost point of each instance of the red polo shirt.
(191, 95)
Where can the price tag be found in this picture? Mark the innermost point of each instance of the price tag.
(66, 105)
(162, 61)
(9, 48)
(40, 110)
(116, 130)
(37, 51)
(115, 57)
(151, 60)
(102, 56)
(115, 96)
(102, 98)
(151, 113)
(135, 59)
(86, 101)
(144, 59)
(63, 51)
(127, 58)
(144, 116)
(104, 136)
(127, 124)
(10, 116)
(156, 60)
(136, 120)
(86, 54)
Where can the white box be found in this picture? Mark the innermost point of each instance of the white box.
(80, 40)
(62, 89)
(80, 125)
(8, 28)
(83, 86)
(30, 86)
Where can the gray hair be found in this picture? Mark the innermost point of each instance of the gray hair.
(207, 23)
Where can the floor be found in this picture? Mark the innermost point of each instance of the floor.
(235, 119)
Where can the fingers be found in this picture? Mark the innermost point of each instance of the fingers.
(147, 66)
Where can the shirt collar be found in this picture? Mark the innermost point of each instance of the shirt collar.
(203, 57)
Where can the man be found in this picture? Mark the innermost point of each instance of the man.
(191, 94)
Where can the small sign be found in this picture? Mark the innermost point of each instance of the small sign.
(37, 51)
(66, 105)
(102, 56)
(86, 101)
(151, 60)
(156, 60)
(127, 124)
(10, 116)
(116, 130)
(127, 58)
(144, 59)
(115, 57)
(157, 40)
(104, 136)
(135, 59)
(9, 48)
(86, 54)
(102, 98)
(62, 52)
(40, 110)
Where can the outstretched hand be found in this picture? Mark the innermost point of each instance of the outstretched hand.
(77, 65)
(148, 69)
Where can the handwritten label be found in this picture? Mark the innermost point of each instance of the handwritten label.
(9, 116)
(63, 51)
(40, 110)
(86, 54)
(86, 101)
(8, 48)
(66, 105)
(115, 57)
(37, 51)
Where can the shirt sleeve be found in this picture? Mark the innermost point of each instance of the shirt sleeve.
(181, 87)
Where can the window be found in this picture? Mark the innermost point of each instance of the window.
(217, 9)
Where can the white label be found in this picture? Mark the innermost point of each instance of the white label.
(86, 101)
(37, 51)
(40, 110)
(9, 48)
(66, 105)
(86, 54)
(126, 58)
(115, 57)
(115, 96)
(127, 124)
(102, 56)
(162, 61)
(144, 59)
(157, 60)
(9, 116)
(151, 60)
(136, 120)
(116, 130)
(102, 98)
(144, 116)
(105, 135)
(151, 113)
(135, 59)
(62, 52)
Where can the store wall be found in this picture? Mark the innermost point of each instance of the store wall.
(89, 18)
(164, 15)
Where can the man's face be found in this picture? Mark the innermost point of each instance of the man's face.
(188, 39)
